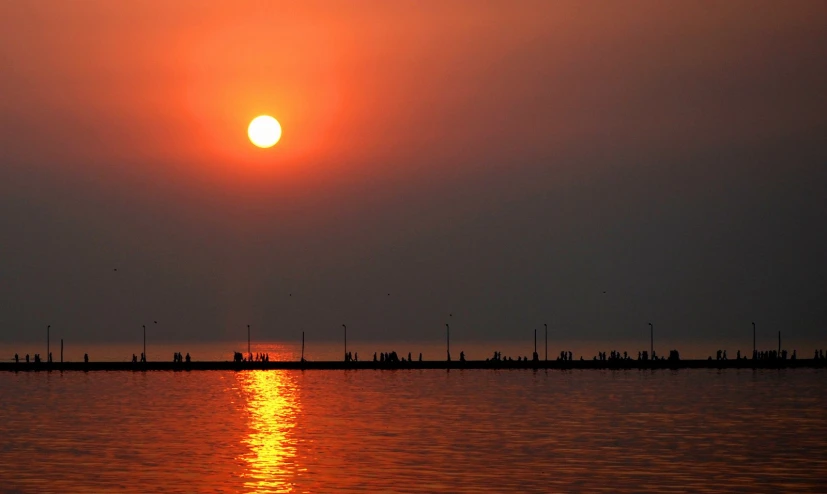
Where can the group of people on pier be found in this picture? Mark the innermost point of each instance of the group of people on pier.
(643, 356)
(393, 357)
(37, 359)
(772, 355)
(758, 355)
(498, 357)
(239, 357)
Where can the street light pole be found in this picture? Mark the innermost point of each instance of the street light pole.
(49, 360)
(249, 348)
(145, 359)
(546, 325)
(652, 340)
(448, 340)
(345, 329)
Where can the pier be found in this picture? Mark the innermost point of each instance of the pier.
(405, 365)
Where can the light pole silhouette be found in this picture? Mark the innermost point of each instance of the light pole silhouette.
(48, 354)
(753, 339)
(652, 340)
(448, 340)
(345, 329)
(546, 325)
(249, 348)
(144, 326)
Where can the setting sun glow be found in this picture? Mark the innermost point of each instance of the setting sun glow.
(264, 131)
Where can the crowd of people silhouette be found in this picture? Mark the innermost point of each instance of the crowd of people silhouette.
(393, 357)
(772, 355)
(239, 357)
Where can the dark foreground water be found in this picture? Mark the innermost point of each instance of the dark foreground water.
(424, 431)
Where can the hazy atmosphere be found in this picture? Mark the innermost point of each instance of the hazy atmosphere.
(603, 166)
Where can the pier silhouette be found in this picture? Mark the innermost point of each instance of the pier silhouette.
(614, 360)
(392, 362)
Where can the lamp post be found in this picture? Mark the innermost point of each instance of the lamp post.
(249, 348)
(652, 340)
(546, 325)
(48, 358)
(345, 331)
(448, 340)
(145, 359)
(753, 338)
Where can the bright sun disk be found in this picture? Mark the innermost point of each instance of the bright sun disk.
(264, 131)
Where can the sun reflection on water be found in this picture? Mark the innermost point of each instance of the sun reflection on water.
(272, 407)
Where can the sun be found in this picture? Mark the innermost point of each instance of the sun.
(264, 131)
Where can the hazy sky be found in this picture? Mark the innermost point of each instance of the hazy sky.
(593, 165)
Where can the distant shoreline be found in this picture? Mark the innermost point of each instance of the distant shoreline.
(438, 365)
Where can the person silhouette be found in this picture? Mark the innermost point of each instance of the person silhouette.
(188, 357)
(462, 356)
(16, 359)
(409, 357)
(374, 356)
(420, 356)
(356, 357)
(85, 358)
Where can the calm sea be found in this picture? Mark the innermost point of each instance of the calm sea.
(414, 431)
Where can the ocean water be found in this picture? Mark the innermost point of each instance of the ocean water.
(414, 431)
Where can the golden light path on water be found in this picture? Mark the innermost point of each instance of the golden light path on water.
(272, 408)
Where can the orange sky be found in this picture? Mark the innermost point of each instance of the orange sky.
(405, 123)
(369, 81)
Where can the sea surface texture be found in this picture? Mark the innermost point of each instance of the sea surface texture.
(414, 431)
